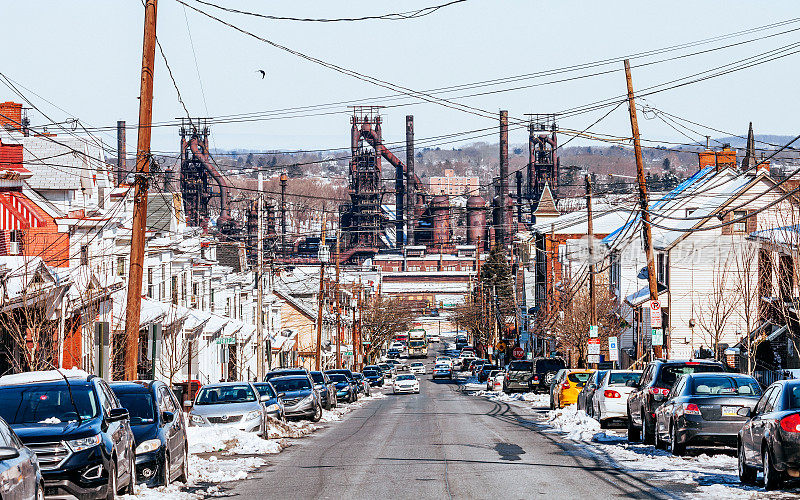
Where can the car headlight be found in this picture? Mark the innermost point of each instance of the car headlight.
(273, 407)
(252, 415)
(148, 446)
(84, 443)
(197, 419)
(308, 399)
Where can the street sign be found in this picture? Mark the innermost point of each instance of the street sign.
(655, 314)
(593, 331)
(225, 340)
(594, 358)
(594, 346)
(500, 347)
(613, 354)
(658, 336)
(518, 353)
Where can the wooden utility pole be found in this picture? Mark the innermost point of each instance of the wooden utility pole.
(338, 307)
(321, 298)
(648, 236)
(136, 271)
(260, 283)
(590, 237)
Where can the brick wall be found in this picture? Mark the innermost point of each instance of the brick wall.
(10, 115)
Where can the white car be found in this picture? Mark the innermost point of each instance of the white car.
(434, 337)
(406, 383)
(417, 368)
(611, 396)
(397, 345)
(495, 380)
(444, 359)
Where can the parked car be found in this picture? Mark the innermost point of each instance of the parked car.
(349, 375)
(376, 368)
(652, 389)
(485, 369)
(283, 372)
(557, 380)
(344, 389)
(388, 370)
(20, 475)
(586, 396)
(544, 370)
(392, 354)
(702, 409)
(442, 370)
(494, 380)
(417, 368)
(518, 375)
(434, 337)
(566, 393)
(406, 383)
(300, 399)
(611, 398)
(363, 382)
(461, 342)
(326, 389)
(443, 359)
(396, 345)
(230, 404)
(77, 428)
(269, 398)
(462, 363)
(770, 438)
(159, 431)
(374, 377)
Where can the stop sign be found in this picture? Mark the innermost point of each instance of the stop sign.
(518, 352)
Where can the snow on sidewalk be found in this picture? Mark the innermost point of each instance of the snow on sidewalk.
(337, 413)
(536, 400)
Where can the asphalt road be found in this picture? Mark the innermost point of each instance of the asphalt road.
(441, 443)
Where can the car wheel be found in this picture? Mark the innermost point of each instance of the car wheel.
(183, 477)
(633, 431)
(40, 491)
(648, 431)
(660, 443)
(111, 487)
(772, 477)
(747, 474)
(317, 414)
(678, 449)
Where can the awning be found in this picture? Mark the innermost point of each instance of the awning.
(284, 343)
(640, 297)
(196, 319)
(232, 328)
(215, 324)
(772, 336)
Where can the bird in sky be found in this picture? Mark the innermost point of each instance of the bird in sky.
(263, 73)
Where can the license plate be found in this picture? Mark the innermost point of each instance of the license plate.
(729, 411)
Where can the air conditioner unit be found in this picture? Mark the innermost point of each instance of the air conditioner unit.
(14, 248)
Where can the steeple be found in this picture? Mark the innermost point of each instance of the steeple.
(749, 159)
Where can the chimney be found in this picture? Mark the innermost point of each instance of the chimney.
(11, 116)
(122, 170)
(500, 200)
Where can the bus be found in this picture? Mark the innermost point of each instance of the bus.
(417, 343)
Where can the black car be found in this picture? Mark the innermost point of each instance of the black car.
(392, 354)
(162, 449)
(543, 371)
(485, 369)
(77, 428)
(283, 372)
(269, 397)
(586, 396)
(373, 376)
(770, 439)
(349, 374)
(20, 476)
(377, 368)
(327, 391)
(300, 399)
(345, 391)
(702, 409)
(461, 342)
(652, 389)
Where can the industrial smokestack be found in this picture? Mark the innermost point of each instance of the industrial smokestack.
(500, 200)
(122, 169)
(519, 196)
(411, 186)
(530, 162)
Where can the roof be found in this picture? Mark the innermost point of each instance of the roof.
(43, 376)
(546, 204)
(64, 163)
(605, 219)
(786, 235)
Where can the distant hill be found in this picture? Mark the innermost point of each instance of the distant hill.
(741, 142)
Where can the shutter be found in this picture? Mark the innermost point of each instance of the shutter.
(727, 229)
(752, 221)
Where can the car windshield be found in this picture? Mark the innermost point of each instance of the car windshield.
(405, 377)
(549, 365)
(47, 404)
(728, 386)
(370, 373)
(291, 384)
(318, 378)
(620, 379)
(670, 373)
(265, 390)
(140, 406)
(417, 364)
(520, 366)
(358, 376)
(224, 394)
(337, 377)
(581, 377)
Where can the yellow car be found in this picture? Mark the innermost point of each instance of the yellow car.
(565, 392)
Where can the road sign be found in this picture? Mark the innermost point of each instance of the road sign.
(518, 353)
(500, 347)
(594, 346)
(593, 331)
(594, 358)
(655, 314)
(613, 354)
(658, 336)
(225, 340)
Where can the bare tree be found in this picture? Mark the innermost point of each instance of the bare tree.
(382, 318)
(718, 308)
(745, 283)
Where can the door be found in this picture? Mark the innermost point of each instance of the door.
(173, 446)
(119, 431)
(17, 473)
(757, 424)
(635, 401)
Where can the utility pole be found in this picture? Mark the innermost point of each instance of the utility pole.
(136, 271)
(590, 234)
(338, 307)
(260, 283)
(321, 293)
(411, 186)
(648, 236)
(284, 179)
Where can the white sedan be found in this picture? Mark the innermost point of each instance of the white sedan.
(418, 368)
(444, 359)
(495, 380)
(406, 383)
(611, 396)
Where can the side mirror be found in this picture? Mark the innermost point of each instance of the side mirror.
(264, 398)
(188, 404)
(167, 417)
(8, 453)
(117, 414)
(281, 395)
(744, 412)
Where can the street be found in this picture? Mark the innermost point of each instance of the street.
(441, 443)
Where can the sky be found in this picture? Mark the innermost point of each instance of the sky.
(82, 59)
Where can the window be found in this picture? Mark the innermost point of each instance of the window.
(175, 290)
(690, 211)
(662, 269)
(739, 226)
(150, 288)
(615, 274)
(121, 271)
(84, 255)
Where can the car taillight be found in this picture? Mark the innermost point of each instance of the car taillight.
(536, 378)
(791, 423)
(566, 384)
(690, 409)
(658, 390)
(611, 394)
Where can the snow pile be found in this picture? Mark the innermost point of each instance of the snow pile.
(576, 424)
(337, 413)
(290, 429)
(537, 400)
(230, 441)
(472, 384)
(213, 470)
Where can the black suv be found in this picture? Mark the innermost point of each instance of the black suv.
(651, 391)
(77, 428)
(544, 371)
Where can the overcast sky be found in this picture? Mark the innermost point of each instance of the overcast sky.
(84, 56)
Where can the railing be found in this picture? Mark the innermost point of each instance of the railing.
(768, 377)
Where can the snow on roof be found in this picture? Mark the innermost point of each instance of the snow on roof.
(215, 324)
(416, 286)
(605, 219)
(43, 376)
(787, 235)
(64, 162)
